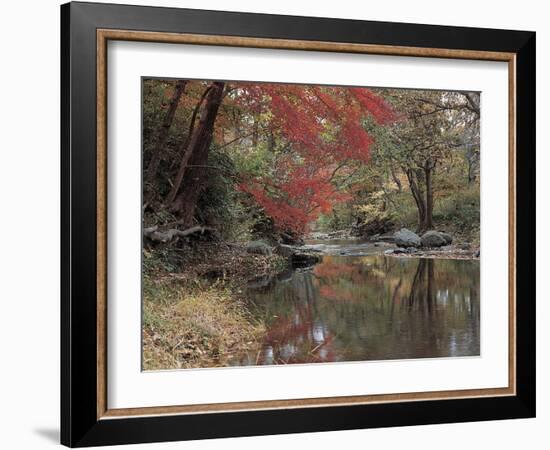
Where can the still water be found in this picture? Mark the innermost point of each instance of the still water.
(370, 307)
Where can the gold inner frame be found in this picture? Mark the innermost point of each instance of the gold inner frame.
(103, 36)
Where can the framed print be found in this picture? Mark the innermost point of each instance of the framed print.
(276, 224)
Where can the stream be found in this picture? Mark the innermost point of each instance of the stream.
(358, 304)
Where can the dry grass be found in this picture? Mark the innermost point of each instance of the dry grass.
(194, 313)
(194, 326)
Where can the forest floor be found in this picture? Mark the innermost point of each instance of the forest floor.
(194, 309)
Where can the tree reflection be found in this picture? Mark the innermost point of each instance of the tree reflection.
(370, 307)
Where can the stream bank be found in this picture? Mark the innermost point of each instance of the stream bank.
(194, 304)
(402, 243)
(205, 305)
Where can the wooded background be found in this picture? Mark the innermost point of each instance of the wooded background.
(268, 159)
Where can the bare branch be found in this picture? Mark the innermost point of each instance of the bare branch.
(154, 235)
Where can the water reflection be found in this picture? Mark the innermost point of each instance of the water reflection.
(350, 308)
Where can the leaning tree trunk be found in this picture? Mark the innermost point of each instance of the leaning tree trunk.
(190, 181)
(162, 135)
(186, 150)
(196, 179)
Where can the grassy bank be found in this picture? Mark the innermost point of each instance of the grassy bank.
(194, 308)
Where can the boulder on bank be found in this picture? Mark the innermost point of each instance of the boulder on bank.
(258, 248)
(434, 238)
(304, 259)
(289, 238)
(285, 250)
(299, 256)
(406, 238)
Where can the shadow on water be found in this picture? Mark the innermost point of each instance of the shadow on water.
(353, 308)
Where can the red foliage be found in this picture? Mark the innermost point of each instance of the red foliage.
(324, 126)
(371, 102)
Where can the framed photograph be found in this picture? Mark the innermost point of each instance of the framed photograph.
(276, 224)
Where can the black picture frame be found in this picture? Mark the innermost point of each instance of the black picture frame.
(80, 425)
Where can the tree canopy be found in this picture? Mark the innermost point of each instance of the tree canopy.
(283, 158)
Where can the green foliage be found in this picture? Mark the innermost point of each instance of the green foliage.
(459, 211)
(254, 161)
(217, 202)
(341, 217)
(226, 208)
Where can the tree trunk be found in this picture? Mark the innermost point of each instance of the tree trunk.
(472, 160)
(162, 135)
(191, 188)
(428, 218)
(186, 190)
(396, 179)
(418, 196)
(186, 150)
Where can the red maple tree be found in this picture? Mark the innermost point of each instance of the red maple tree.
(324, 126)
